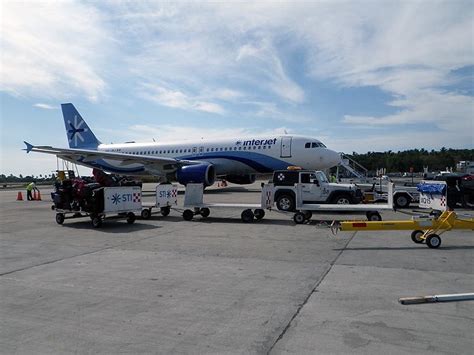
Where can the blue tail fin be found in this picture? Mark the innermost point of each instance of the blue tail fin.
(78, 132)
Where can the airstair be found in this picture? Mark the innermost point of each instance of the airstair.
(352, 167)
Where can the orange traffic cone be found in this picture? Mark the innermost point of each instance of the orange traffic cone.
(34, 195)
(19, 197)
(38, 197)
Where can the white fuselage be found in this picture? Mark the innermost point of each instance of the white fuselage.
(239, 156)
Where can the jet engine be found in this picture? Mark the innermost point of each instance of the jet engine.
(198, 174)
(241, 179)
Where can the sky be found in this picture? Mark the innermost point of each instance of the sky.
(358, 75)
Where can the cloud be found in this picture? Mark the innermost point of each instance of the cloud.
(45, 106)
(52, 50)
(177, 99)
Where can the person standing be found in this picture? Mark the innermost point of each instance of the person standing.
(30, 187)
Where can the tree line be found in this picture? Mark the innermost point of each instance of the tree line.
(417, 159)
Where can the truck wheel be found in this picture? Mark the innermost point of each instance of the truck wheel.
(373, 216)
(259, 214)
(188, 215)
(299, 218)
(146, 213)
(247, 216)
(401, 200)
(165, 211)
(96, 222)
(285, 203)
(433, 241)
(59, 218)
(131, 218)
(416, 236)
(342, 199)
(205, 212)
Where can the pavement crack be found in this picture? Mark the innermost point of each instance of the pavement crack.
(313, 290)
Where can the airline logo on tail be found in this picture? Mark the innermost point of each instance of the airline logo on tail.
(76, 130)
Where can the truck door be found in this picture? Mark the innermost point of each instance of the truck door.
(310, 189)
(285, 147)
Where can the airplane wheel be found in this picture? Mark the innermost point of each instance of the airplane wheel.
(416, 236)
(259, 213)
(374, 216)
(433, 241)
(247, 216)
(146, 213)
(131, 218)
(59, 218)
(299, 218)
(188, 215)
(205, 212)
(165, 211)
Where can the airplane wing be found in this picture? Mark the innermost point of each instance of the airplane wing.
(87, 155)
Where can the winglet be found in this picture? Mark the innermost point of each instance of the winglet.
(29, 147)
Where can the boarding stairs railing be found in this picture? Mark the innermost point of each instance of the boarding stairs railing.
(353, 167)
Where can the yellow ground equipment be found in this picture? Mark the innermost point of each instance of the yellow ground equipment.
(424, 229)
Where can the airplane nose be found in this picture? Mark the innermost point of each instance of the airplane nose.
(333, 158)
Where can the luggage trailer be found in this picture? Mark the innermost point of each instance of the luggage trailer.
(119, 202)
(166, 199)
(194, 205)
(433, 195)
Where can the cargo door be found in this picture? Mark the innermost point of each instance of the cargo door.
(285, 147)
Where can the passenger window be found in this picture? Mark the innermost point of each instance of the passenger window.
(307, 145)
(305, 178)
(222, 149)
(259, 147)
(264, 147)
(240, 148)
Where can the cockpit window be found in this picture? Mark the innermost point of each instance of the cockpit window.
(307, 145)
(314, 145)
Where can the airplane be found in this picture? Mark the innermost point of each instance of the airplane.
(238, 160)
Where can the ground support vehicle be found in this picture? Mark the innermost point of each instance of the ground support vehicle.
(194, 204)
(433, 195)
(402, 195)
(315, 189)
(304, 210)
(166, 198)
(119, 202)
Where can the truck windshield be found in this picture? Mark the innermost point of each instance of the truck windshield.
(322, 177)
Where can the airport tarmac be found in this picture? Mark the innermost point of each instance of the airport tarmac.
(218, 285)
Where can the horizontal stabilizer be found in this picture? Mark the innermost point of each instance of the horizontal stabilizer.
(29, 147)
